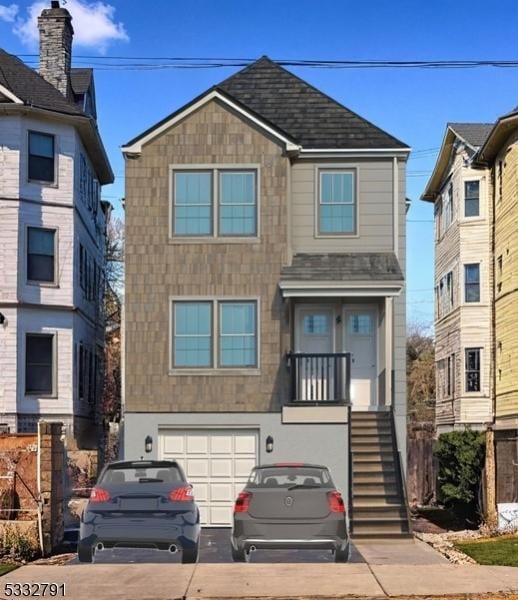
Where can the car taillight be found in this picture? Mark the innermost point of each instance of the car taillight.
(243, 502)
(336, 502)
(99, 495)
(182, 494)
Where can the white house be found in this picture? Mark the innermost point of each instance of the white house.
(52, 238)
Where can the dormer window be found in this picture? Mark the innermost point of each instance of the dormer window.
(41, 157)
(337, 203)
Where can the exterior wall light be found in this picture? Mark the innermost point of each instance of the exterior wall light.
(269, 444)
(148, 444)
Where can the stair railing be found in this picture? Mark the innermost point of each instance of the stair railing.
(350, 495)
(399, 465)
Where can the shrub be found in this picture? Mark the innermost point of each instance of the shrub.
(461, 457)
(19, 544)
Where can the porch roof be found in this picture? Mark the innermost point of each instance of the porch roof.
(339, 274)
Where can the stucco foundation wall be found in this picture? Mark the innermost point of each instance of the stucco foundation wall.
(325, 444)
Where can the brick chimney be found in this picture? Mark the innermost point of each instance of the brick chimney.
(56, 33)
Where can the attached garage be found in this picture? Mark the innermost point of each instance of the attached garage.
(217, 462)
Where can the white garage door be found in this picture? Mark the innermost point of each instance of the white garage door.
(217, 463)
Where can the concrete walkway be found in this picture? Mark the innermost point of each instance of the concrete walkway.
(329, 580)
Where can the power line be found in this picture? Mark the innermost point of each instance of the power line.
(146, 63)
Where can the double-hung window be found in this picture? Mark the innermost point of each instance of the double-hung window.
(472, 198)
(41, 247)
(337, 203)
(39, 364)
(215, 203)
(214, 334)
(472, 369)
(472, 282)
(41, 157)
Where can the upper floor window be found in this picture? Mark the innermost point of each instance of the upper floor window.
(472, 369)
(337, 203)
(197, 324)
(218, 202)
(41, 247)
(472, 198)
(39, 364)
(472, 283)
(448, 207)
(41, 157)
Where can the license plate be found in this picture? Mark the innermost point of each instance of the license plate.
(138, 504)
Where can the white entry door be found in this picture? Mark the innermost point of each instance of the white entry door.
(314, 335)
(217, 463)
(360, 340)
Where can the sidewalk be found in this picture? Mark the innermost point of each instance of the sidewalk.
(325, 580)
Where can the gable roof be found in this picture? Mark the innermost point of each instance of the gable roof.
(81, 80)
(472, 134)
(475, 134)
(31, 88)
(496, 138)
(290, 107)
(26, 89)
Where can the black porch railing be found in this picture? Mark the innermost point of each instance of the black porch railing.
(320, 377)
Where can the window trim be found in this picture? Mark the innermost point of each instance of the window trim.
(54, 182)
(54, 336)
(214, 237)
(464, 295)
(219, 304)
(36, 282)
(480, 391)
(337, 169)
(464, 198)
(215, 369)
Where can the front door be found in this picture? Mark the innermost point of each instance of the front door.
(313, 336)
(360, 340)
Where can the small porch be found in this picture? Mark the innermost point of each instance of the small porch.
(341, 317)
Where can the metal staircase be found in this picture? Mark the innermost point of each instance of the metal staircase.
(378, 498)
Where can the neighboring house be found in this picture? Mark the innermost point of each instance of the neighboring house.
(52, 238)
(499, 154)
(462, 208)
(265, 246)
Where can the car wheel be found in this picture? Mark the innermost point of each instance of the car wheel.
(342, 556)
(85, 553)
(190, 555)
(240, 555)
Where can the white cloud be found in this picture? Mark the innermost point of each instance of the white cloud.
(93, 22)
(8, 13)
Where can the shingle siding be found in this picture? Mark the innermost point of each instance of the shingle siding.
(157, 270)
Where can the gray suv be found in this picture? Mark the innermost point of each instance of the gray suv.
(290, 505)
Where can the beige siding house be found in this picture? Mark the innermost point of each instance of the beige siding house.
(52, 234)
(462, 208)
(265, 260)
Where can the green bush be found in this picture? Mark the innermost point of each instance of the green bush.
(460, 455)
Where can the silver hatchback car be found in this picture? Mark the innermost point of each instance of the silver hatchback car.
(290, 505)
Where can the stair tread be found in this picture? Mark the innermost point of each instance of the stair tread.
(379, 519)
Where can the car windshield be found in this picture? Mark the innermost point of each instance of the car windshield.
(142, 474)
(288, 477)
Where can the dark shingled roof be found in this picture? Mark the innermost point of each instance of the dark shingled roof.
(357, 266)
(308, 116)
(81, 80)
(473, 133)
(30, 87)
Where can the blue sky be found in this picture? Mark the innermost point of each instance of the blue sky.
(413, 105)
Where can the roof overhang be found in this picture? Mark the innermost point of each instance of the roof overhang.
(86, 128)
(134, 148)
(339, 289)
(496, 139)
(8, 94)
(434, 184)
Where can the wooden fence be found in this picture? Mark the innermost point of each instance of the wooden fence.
(422, 467)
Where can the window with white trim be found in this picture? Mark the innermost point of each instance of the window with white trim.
(39, 364)
(214, 334)
(472, 369)
(41, 249)
(41, 157)
(214, 203)
(337, 203)
(472, 283)
(472, 198)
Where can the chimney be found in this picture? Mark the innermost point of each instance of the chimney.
(56, 32)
